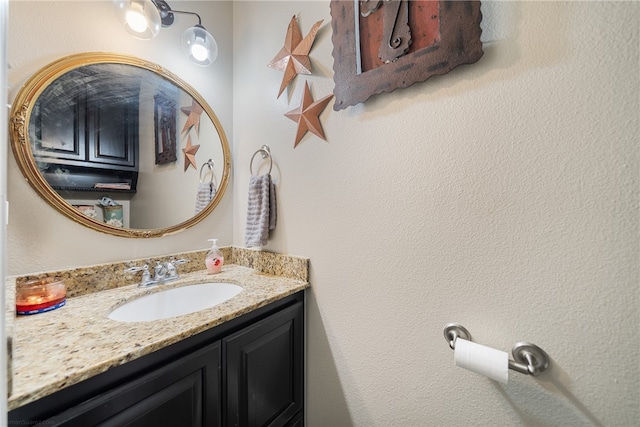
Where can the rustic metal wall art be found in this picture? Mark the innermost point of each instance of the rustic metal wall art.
(293, 58)
(165, 128)
(307, 115)
(383, 45)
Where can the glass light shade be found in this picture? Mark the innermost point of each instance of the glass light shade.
(199, 45)
(141, 17)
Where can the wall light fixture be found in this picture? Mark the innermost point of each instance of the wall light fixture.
(144, 18)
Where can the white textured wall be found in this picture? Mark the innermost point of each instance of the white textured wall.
(503, 196)
(41, 239)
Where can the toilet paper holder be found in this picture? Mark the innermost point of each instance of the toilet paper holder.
(528, 358)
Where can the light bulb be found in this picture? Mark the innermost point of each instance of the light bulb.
(141, 17)
(199, 52)
(136, 21)
(199, 45)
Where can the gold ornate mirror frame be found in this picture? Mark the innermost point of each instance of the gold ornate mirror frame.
(19, 121)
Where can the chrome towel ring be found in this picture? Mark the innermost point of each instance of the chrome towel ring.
(265, 152)
(209, 171)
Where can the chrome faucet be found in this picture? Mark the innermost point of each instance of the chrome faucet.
(162, 272)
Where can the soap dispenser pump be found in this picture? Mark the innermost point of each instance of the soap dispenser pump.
(214, 259)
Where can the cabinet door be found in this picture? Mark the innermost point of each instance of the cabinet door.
(264, 370)
(58, 129)
(183, 393)
(112, 133)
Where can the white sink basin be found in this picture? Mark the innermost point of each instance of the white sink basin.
(175, 302)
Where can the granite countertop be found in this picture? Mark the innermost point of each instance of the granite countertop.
(62, 347)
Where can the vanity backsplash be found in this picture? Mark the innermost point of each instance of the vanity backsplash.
(83, 280)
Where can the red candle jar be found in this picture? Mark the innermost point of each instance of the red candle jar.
(40, 295)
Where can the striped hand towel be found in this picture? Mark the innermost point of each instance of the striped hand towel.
(261, 210)
(206, 193)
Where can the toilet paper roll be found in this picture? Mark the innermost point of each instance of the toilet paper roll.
(487, 361)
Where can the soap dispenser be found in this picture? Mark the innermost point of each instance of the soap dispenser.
(214, 259)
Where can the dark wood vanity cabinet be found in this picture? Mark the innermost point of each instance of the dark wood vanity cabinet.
(244, 373)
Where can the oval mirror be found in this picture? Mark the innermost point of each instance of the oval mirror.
(120, 145)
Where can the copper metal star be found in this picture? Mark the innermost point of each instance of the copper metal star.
(193, 120)
(307, 115)
(293, 58)
(190, 154)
